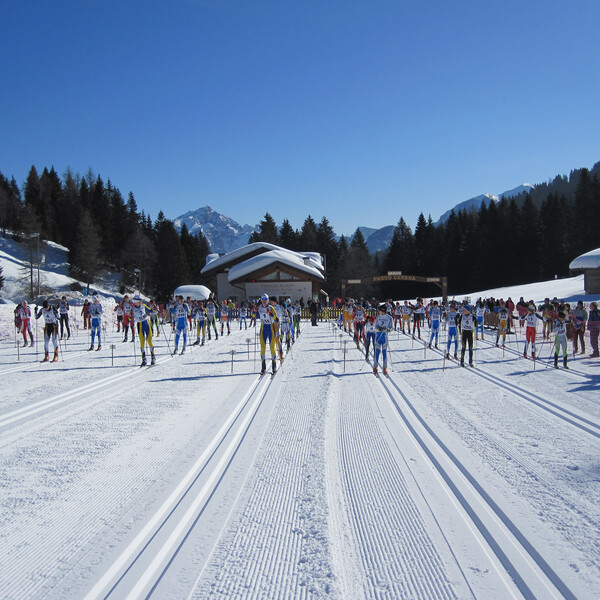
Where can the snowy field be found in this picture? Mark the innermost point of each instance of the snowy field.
(197, 479)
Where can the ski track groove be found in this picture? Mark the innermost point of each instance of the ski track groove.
(383, 513)
(268, 553)
(89, 511)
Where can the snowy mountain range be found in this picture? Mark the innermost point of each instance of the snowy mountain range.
(476, 202)
(224, 234)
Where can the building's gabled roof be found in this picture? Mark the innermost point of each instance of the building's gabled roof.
(219, 264)
(284, 257)
(216, 263)
(589, 260)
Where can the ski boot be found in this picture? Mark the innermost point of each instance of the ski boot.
(455, 356)
(533, 355)
(46, 357)
(263, 369)
(98, 348)
(31, 345)
(175, 351)
(152, 358)
(91, 347)
(202, 344)
(125, 338)
(196, 343)
(385, 371)
(556, 361)
(565, 362)
(143, 360)
(375, 371)
(182, 351)
(274, 366)
(55, 359)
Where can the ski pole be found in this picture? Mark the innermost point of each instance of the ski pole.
(165, 336)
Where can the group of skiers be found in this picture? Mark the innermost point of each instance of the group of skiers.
(468, 321)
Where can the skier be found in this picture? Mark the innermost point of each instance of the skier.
(154, 309)
(85, 312)
(418, 312)
(451, 318)
(560, 338)
(593, 326)
(480, 312)
(296, 314)
(579, 318)
(268, 318)
(24, 313)
(503, 316)
(548, 313)
(384, 323)
(50, 328)
(370, 335)
(119, 310)
(63, 310)
(397, 315)
(359, 324)
(225, 317)
(96, 318)
(468, 325)
(243, 316)
(287, 330)
(128, 318)
(531, 319)
(180, 315)
(211, 311)
(406, 312)
(141, 316)
(435, 314)
(200, 317)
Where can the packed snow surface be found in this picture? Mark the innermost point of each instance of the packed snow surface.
(197, 478)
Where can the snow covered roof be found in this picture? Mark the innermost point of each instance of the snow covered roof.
(589, 260)
(235, 257)
(195, 292)
(222, 262)
(282, 256)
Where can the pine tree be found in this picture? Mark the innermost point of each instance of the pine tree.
(308, 235)
(85, 262)
(171, 269)
(288, 236)
(267, 231)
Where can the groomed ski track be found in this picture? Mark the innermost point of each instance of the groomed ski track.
(184, 480)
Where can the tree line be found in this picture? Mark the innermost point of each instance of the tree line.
(104, 232)
(531, 237)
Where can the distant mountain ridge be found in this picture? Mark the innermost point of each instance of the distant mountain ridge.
(222, 233)
(476, 202)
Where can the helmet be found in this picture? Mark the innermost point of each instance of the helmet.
(265, 297)
(137, 298)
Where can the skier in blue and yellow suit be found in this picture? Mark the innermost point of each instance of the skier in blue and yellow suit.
(141, 315)
(268, 318)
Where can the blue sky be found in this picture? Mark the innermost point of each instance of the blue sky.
(359, 111)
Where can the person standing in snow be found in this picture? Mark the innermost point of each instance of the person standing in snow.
(406, 312)
(211, 318)
(560, 338)
(451, 318)
(96, 322)
(268, 318)
(359, 317)
(243, 316)
(435, 314)
(593, 326)
(50, 328)
(119, 310)
(63, 311)
(384, 323)
(480, 312)
(180, 314)
(141, 315)
(418, 312)
(467, 326)
(503, 316)
(200, 317)
(579, 318)
(225, 318)
(85, 312)
(24, 313)
(531, 319)
(128, 318)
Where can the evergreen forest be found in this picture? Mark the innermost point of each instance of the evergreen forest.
(531, 237)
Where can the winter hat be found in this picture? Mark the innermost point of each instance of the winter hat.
(137, 298)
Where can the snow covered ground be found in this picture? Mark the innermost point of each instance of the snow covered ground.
(196, 478)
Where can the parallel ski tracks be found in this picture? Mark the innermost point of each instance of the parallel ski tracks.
(537, 578)
(140, 567)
